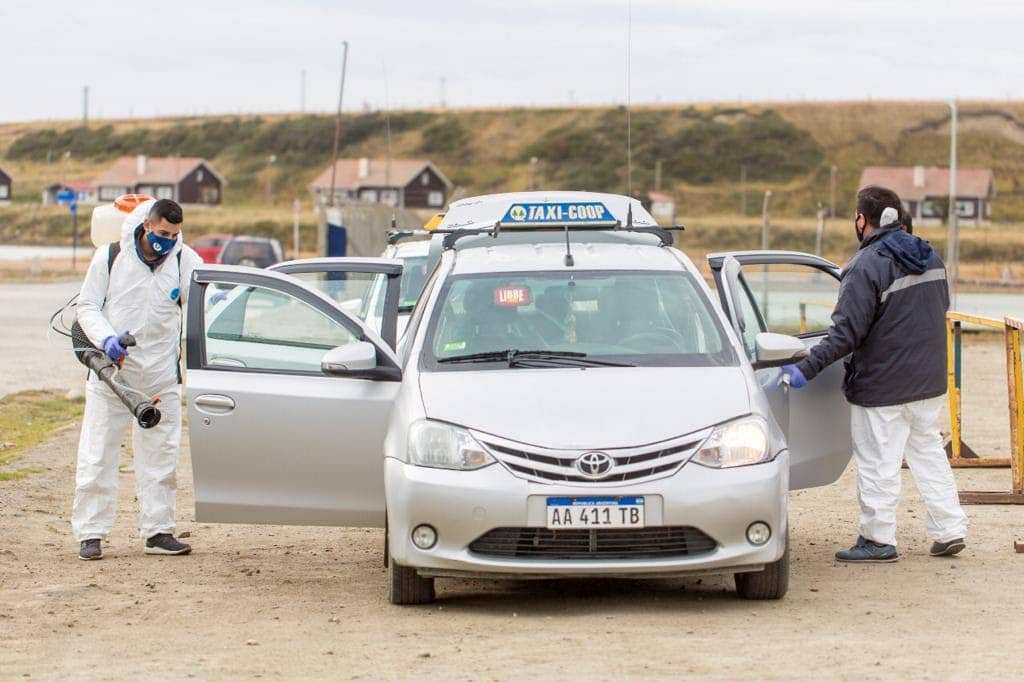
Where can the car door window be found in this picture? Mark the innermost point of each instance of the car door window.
(263, 329)
(417, 316)
(751, 319)
(358, 293)
(793, 299)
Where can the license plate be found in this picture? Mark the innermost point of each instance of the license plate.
(595, 512)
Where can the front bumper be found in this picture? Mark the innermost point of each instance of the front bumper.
(463, 505)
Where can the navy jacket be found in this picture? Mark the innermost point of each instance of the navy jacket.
(891, 316)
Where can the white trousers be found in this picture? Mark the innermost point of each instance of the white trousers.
(156, 452)
(882, 438)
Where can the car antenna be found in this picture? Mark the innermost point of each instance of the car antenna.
(569, 261)
(629, 216)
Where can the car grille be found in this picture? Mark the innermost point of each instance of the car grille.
(656, 542)
(630, 464)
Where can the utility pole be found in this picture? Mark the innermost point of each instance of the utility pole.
(330, 230)
(832, 171)
(953, 234)
(85, 106)
(297, 208)
(657, 175)
(337, 119)
(766, 221)
(743, 189)
(820, 236)
(302, 92)
(442, 92)
(532, 184)
(765, 242)
(270, 176)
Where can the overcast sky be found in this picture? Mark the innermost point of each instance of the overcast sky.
(185, 57)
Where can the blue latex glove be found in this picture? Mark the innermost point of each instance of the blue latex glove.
(218, 297)
(796, 377)
(114, 350)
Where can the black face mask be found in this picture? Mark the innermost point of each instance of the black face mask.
(859, 232)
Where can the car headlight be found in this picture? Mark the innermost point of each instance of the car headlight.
(735, 444)
(443, 446)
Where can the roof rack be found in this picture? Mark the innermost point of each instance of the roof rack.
(395, 236)
(452, 235)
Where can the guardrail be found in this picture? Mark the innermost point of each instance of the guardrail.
(962, 455)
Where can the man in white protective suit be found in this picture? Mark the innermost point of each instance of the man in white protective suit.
(891, 321)
(139, 286)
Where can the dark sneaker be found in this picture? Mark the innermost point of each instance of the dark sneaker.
(164, 543)
(868, 552)
(947, 548)
(90, 550)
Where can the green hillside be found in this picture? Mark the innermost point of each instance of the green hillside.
(786, 147)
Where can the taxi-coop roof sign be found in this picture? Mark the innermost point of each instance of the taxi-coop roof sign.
(562, 213)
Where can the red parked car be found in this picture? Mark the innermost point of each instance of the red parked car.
(209, 246)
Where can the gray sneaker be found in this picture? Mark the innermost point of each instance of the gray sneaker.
(90, 550)
(947, 548)
(868, 552)
(164, 543)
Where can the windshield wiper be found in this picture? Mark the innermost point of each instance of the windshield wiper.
(522, 358)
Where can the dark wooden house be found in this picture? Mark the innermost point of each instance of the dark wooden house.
(6, 182)
(186, 179)
(406, 183)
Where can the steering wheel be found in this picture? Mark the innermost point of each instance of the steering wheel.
(655, 335)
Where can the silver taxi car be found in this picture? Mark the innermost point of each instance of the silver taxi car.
(570, 399)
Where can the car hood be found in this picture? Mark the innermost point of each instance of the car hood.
(600, 408)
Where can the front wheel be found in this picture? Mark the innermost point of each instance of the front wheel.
(770, 583)
(406, 586)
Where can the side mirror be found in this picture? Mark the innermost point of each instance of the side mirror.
(775, 350)
(357, 360)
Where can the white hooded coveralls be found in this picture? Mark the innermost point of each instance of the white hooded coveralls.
(135, 299)
(882, 438)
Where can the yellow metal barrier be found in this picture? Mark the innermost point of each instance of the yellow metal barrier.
(1012, 330)
(803, 311)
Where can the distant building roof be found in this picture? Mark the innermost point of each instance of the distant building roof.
(659, 196)
(154, 169)
(917, 182)
(74, 184)
(354, 173)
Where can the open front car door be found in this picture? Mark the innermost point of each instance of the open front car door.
(288, 397)
(785, 292)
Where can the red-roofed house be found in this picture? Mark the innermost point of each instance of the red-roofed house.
(85, 192)
(408, 183)
(925, 191)
(186, 179)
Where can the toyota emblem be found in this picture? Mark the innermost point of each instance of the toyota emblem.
(594, 464)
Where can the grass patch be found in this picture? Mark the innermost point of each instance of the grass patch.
(28, 419)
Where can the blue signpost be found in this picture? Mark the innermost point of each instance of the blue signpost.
(67, 196)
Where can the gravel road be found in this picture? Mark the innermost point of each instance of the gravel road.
(310, 603)
(29, 356)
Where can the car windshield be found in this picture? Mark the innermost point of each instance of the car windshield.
(648, 318)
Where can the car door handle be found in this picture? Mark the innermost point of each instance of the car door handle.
(214, 404)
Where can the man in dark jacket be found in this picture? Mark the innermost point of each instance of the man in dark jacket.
(890, 320)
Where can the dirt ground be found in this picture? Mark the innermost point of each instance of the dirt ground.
(311, 602)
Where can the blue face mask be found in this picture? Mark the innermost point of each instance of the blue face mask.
(161, 245)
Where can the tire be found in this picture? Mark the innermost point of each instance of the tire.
(771, 583)
(405, 586)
